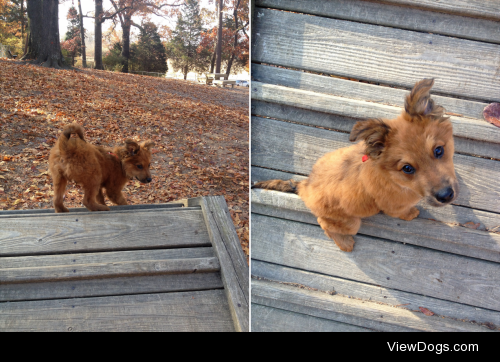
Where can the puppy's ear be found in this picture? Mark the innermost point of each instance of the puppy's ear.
(147, 145)
(419, 102)
(132, 147)
(374, 132)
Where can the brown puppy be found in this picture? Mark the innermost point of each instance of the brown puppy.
(96, 168)
(397, 163)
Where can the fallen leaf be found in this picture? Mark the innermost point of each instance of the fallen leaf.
(426, 311)
(491, 113)
(471, 225)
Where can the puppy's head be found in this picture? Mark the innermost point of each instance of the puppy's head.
(136, 159)
(415, 150)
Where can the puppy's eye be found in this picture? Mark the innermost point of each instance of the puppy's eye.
(439, 152)
(408, 169)
(139, 167)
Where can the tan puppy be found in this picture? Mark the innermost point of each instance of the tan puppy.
(397, 163)
(96, 168)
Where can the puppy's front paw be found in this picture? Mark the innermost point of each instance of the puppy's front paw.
(411, 214)
(344, 242)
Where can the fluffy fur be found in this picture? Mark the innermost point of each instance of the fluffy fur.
(96, 168)
(342, 189)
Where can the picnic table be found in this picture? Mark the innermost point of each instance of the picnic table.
(318, 68)
(210, 77)
(159, 267)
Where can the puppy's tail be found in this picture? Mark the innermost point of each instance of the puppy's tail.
(278, 185)
(67, 131)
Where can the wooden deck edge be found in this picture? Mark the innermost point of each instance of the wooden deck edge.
(351, 311)
(233, 265)
(395, 298)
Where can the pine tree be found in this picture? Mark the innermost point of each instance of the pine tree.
(72, 40)
(182, 49)
(150, 53)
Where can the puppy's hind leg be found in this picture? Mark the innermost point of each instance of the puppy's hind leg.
(116, 197)
(60, 183)
(100, 197)
(341, 230)
(89, 200)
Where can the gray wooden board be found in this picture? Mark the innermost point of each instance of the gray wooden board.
(358, 90)
(267, 319)
(473, 8)
(102, 231)
(451, 214)
(374, 293)
(234, 268)
(84, 209)
(351, 311)
(295, 148)
(464, 127)
(201, 311)
(422, 232)
(155, 283)
(375, 53)
(378, 262)
(394, 16)
(334, 122)
(95, 265)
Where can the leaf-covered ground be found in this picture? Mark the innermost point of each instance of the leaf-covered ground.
(200, 134)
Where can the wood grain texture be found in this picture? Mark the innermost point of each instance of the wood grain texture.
(394, 16)
(379, 262)
(473, 8)
(141, 207)
(226, 244)
(373, 293)
(351, 311)
(125, 230)
(422, 232)
(464, 127)
(379, 54)
(268, 319)
(295, 148)
(105, 265)
(202, 311)
(358, 90)
(153, 283)
(451, 214)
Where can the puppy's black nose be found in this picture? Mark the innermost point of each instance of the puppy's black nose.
(445, 195)
(149, 179)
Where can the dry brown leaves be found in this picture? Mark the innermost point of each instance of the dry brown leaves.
(200, 134)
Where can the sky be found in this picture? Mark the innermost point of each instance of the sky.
(88, 6)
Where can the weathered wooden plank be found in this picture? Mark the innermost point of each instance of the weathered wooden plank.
(154, 283)
(200, 311)
(126, 230)
(358, 90)
(394, 16)
(374, 293)
(388, 264)
(234, 269)
(451, 214)
(351, 311)
(296, 148)
(473, 8)
(422, 232)
(267, 319)
(136, 208)
(462, 126)
(104, 265)
(379, 54)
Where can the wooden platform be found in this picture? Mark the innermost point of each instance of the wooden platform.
(319, 67)
(159, 267)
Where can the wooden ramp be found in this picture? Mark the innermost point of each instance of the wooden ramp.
(319, 67)
(159, 267)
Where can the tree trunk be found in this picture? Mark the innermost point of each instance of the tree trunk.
(235, 43)
(219, 38)
(34, 29)
(126, 43)
(98, 35)
(212, 61)
(82, 34)
(50, 54)
(22, 23)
